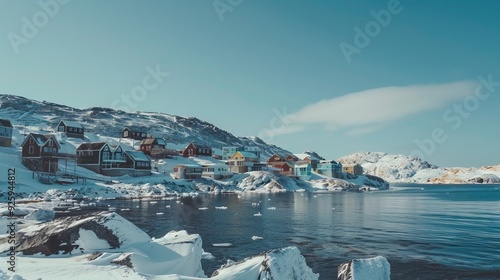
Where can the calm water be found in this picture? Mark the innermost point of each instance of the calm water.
(425, 231)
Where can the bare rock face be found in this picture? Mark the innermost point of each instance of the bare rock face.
(377, 268)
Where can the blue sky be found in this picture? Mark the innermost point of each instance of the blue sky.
(337, 77)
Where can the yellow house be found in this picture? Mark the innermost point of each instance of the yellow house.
(242, 162)
(354, 169)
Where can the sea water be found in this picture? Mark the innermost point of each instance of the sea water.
(425, 231)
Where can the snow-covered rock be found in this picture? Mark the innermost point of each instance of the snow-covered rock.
(262, 181)
(377, 268)
(40, 215)
(282, 264)
(406, 169)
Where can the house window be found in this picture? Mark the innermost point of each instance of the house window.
(106, 156)
(31, 150)
(125, 133)
(50, 143)
(61, 128)
(31, 140)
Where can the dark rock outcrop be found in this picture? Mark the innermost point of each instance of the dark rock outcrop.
(60, 235)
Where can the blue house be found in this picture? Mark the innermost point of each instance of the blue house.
(329, 168)
(303, 170)
(5, 133)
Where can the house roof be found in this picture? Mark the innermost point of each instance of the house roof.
(41, 139)
(150, 141)
(72, 124)
(276, 155)
(147, 141)
(328, 162)
(135, 129)
(248, 154)
(200, 146)
(189, 165)
(304, 156)
(299, 165)
(5, 123)
(91, 146)
(137, 156)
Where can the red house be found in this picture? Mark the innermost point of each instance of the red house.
(275, 158)
(291, 157)
(38, 151)
(197, 150)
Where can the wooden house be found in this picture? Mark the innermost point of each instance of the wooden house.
(71, 129)
(303, 170)
(275, 158)
(309, 159)
(112, 161)
(93, 155)
(154, 147)
(229, 151)
(136, 164)
(242, 162)
(197, 150)
(135, 134)
(291, 158)
(39, 151)
(281, 165)
(217, 171)
(354, 169)
(330, 168)
(187, 171)
(5, 133)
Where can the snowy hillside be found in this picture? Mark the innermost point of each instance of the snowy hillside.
(405, 169)
(26, 113)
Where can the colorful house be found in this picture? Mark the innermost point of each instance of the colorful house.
(112, 161)
(354, 169)
(303, 170)
(71, 129)
(197, 150)
(39, 152)
(5, 133)
(228, 152)
(154, 147)
(329, 168)
(308, 158)
(275, 158)
(242, 162)
(281, 165)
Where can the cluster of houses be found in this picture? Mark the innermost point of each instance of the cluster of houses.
(41, 153)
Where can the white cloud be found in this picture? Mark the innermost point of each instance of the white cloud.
(366, 111)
